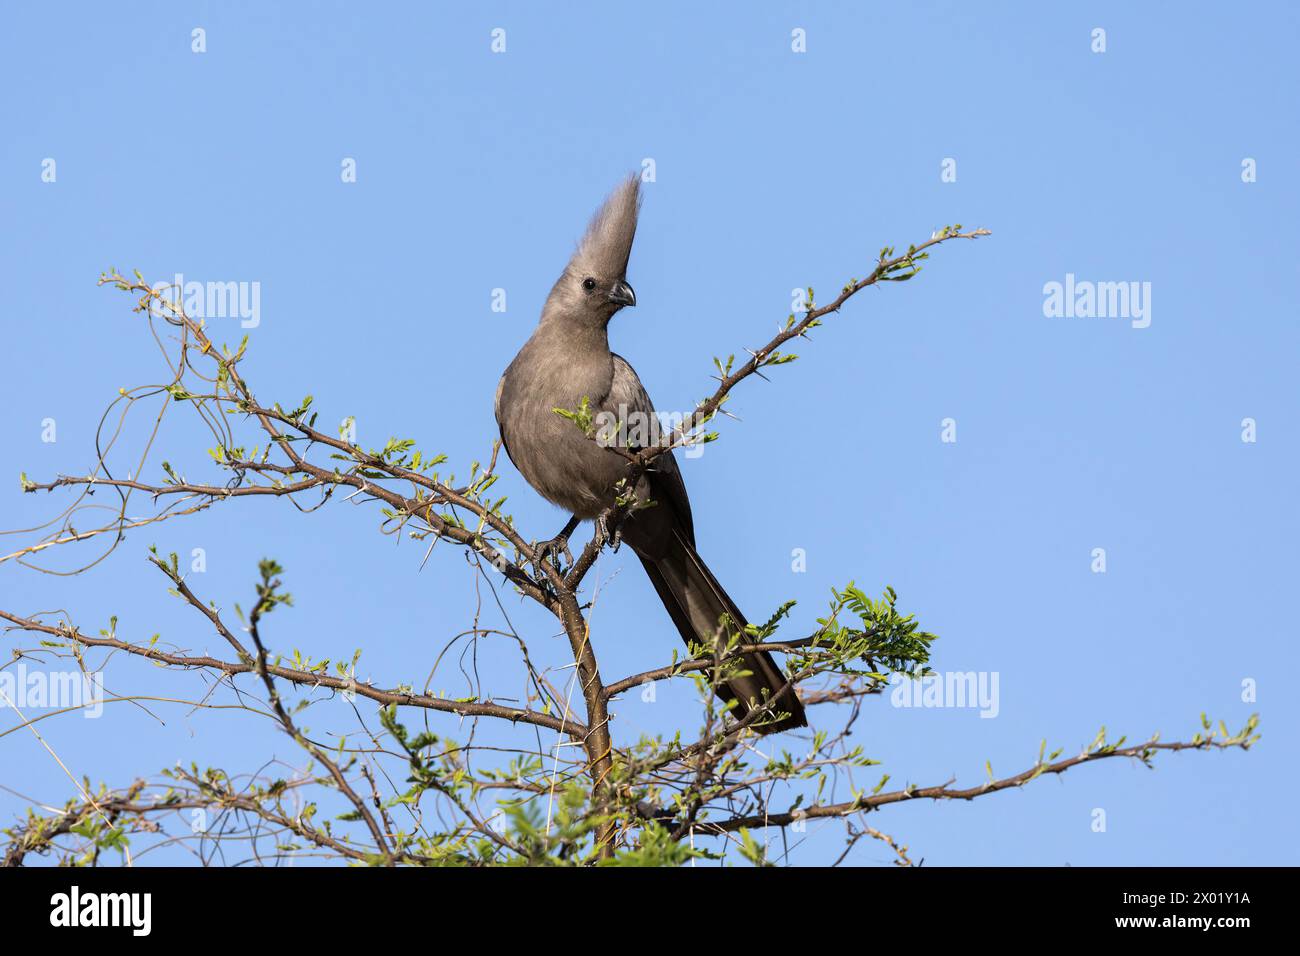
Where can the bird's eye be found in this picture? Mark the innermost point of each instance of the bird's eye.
(589, 284)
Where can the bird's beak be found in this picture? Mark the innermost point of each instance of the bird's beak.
(622, 294)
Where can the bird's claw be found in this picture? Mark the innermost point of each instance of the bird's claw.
(554, 549)
(606, 537)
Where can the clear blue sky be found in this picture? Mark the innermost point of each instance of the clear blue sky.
(774, 169)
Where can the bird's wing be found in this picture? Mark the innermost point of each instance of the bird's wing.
(627, 395)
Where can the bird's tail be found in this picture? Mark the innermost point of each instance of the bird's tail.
(696, 602)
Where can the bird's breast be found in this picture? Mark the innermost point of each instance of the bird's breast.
(550, 450)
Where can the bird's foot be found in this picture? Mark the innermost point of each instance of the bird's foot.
(552, 549)
(607, 536)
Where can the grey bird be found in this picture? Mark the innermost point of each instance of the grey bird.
(568, 359)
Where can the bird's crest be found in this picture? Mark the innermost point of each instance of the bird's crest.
(607, 245)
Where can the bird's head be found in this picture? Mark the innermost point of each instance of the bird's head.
(594, 284)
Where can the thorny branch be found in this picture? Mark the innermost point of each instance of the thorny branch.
(646, 799)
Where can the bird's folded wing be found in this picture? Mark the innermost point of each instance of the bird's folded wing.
(627, 396)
